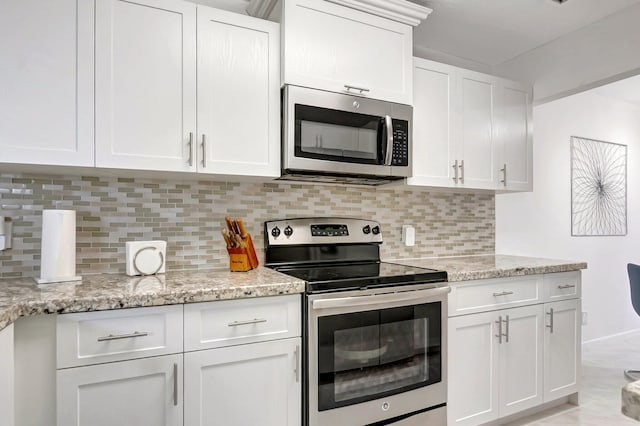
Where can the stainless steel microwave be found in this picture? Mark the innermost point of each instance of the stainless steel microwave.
(334, 137)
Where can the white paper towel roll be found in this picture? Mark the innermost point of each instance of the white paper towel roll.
(58, 255)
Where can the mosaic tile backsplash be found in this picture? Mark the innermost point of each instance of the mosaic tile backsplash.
(190, 214)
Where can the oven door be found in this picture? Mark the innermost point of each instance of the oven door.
(376, 355)
(332, 132)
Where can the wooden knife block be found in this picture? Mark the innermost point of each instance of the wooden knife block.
(243, 259)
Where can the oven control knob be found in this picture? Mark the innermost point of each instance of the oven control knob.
(366, 229)
(288, 231)
(386, 406)
(375, 230)
(275, 232)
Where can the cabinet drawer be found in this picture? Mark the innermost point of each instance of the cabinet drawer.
(561, 286)
(106, 336)
(233, 322)
(487, 295)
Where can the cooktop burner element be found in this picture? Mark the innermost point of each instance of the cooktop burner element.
(337, 254)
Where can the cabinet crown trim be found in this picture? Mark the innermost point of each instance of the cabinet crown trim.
(401, 11)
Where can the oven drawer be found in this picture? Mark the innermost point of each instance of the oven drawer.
(105, 336)
(561, 286)
(486, 295)
(234, 322)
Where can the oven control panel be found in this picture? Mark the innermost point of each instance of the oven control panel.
(325, 230)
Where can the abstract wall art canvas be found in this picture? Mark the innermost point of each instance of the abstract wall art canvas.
(598, 188)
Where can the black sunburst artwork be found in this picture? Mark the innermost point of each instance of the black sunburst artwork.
(598, 188)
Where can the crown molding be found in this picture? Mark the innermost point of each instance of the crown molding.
(397, 10)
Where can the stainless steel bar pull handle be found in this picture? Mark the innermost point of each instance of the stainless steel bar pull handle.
(123, 336)
(506, 334)
(190, 144)
(455, 171)
(253, 321)
(504, 174)
(503, 293)
(565, 286)
(204, 151)
(461, 171)
(359, 89)
(388, 156)
(296, 354)
(175, 384)
(499, 335)
(550, 326)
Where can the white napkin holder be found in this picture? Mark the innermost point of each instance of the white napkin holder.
(145, 257)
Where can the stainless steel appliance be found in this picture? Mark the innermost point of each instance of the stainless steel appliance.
(375, 333)
(345, 138)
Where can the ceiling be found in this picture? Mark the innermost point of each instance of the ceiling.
(491, 32)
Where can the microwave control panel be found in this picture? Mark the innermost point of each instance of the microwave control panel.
(400, 143)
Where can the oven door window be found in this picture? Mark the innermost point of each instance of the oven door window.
(327, 134)
(369, 355)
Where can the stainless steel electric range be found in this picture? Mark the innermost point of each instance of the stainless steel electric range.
(375, 333)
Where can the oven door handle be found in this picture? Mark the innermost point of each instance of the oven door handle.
(413, 296)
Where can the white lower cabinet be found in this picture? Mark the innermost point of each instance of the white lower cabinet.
(562, 356)
(245, 385)
(505, 361)
(142, 392)
(7, 391)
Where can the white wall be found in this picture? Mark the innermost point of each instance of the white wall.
(539, 223)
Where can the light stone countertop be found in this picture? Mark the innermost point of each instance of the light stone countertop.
(631, 400)
(466, 268)
(23, 297)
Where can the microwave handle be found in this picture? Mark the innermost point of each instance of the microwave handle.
(388, 156)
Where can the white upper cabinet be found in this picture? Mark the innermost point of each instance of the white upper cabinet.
(46, 82)
(477, 96)
(145, 84)
(514, 156)
(434, 127)
(467, 126)
(339, 49)
(238, 94)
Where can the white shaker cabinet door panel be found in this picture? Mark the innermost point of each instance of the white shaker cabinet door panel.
(7, 393)
(434, 144)
(330, 46)
(244, 385)
(238, 94)
(562, 356)
(144, 392)
(515, 133)
(46, 82)
(477, 141)
(473, 369)
(521, 359)
(145, 84)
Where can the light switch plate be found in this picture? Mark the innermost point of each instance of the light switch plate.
(145, 257)
(408, 235)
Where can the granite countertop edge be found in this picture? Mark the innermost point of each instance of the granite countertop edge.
(21, 297)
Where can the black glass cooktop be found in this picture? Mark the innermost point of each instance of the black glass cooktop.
(354, 276)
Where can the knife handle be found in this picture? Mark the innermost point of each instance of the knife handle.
(227, 219)
(241, 229)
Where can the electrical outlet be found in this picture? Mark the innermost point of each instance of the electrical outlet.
(585, 318)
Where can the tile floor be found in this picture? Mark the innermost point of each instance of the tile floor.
(603, 363)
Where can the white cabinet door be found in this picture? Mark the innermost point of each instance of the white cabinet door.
(144, 392)
(329, 46)
(521, 359)
(145, 84)
(7, 392)
(477, 142)
(473, 369)
(244, 385)
(46, 82)
(238, 94)
(434, 113)
(562, 355)
(514, 156)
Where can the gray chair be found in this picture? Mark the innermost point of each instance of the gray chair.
(634, 281)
